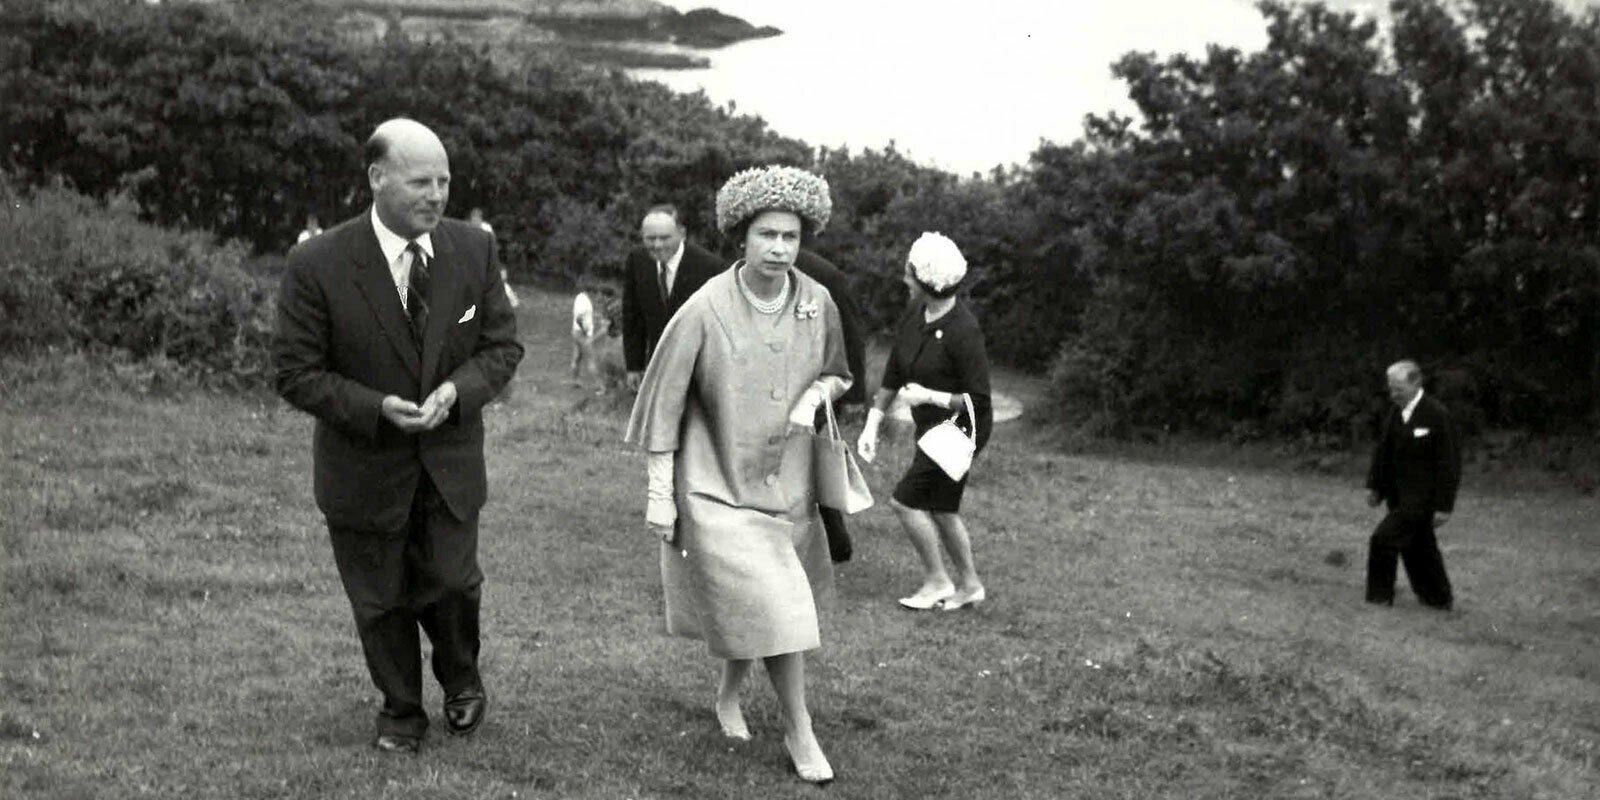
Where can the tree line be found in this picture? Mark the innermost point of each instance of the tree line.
(1242, 259)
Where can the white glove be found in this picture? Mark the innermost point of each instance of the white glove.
(804, 413)
(915, 394)
(660, 509)
(867, 445)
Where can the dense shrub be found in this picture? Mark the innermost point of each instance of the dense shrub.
(583, 242)
(90, 273)
(1280, 225)
(1242, 259)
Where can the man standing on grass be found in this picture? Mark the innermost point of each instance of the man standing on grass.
(394, 331)
(656, 279)
(1415, 469)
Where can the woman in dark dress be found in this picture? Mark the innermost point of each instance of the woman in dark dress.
(937, 363)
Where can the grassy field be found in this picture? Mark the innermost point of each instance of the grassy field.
(173, 626)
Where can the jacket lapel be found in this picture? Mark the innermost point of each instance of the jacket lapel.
(376, 283)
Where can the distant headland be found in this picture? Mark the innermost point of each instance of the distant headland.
(619, 33)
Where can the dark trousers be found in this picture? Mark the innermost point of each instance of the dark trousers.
(424, 575)
(840, 547)
(1408, 537)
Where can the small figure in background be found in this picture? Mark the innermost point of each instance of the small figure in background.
(313, 227)
(475, 216)
(1416, 470)
(658, 276)
(590, 323)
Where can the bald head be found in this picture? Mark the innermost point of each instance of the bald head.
(410, 176)
(661, 231)
(1404, 379)
(402, 133)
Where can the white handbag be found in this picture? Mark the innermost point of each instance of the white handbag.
(838, 480)
(951, 449)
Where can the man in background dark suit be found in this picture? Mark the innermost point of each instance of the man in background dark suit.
(394, 331)
(837, 283)
(656, 279)
(1416, 469)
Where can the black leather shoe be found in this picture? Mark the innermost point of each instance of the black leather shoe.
(464, 710)
(399, 744)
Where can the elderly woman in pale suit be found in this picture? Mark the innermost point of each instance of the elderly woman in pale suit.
(725, 411)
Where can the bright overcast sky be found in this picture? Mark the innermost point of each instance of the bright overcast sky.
(964, 85)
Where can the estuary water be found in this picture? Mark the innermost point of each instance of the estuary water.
(960, 85)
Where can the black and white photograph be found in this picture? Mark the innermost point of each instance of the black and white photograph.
(648, 399)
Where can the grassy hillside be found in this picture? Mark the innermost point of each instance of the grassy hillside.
(174, 626)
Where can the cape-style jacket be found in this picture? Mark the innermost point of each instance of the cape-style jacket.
(750, 555)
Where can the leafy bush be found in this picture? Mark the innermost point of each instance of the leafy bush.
(1242, 260)
(583, 241)
(89, 273)
(32, 314)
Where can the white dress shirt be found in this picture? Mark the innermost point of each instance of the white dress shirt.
(1405, 413)
(395, 255)
(669, 270)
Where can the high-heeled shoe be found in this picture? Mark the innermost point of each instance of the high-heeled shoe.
(923, 602)
(818, 771)
(954, 602)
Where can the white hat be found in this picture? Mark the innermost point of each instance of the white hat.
(936, 261)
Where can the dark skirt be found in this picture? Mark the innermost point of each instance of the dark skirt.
(926, 487)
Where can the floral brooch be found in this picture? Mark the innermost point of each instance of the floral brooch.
(805, 309)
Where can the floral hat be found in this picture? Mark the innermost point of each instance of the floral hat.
(774, 188)
(936, 261)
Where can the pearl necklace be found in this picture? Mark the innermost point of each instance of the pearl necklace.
(772, 306)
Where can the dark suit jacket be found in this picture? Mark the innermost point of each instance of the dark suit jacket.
(643, 313)
(1416, 467)
(343, 343)
(838, 284)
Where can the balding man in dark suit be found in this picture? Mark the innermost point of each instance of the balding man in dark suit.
(1416, 470)
(656, 279)
(394, 332)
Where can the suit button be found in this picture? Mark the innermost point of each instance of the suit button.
(772, 480)
(777, 347)
(777, 394)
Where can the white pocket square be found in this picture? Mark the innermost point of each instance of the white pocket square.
(471, 312)
(1419, 432)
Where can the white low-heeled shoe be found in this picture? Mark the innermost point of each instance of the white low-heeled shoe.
(733, 725)
(922, 602)
(954, 602)
(814, 772)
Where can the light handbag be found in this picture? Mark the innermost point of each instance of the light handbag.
(838, 480)
(951, 449)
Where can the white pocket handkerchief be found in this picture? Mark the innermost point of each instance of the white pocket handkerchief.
(471, 312)
(1419, 432)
